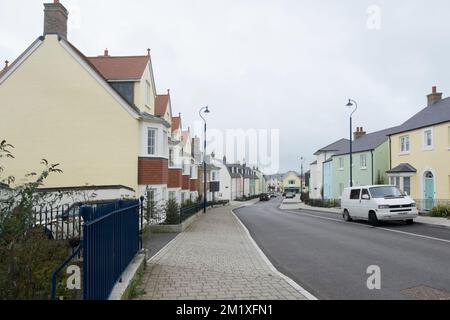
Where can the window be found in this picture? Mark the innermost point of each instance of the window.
(428, 139)
(151, 141)
(164, 194)
(354, 194)
(341, 163)
(292, 182)
(404, 144)
(363, 161)
(407, 185)
(397, 182)
(365, 192)
(172, 195)
(213, 174)
(171, 163)
(165, 142)
(147, 93)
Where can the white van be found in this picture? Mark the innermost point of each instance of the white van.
(378, 203)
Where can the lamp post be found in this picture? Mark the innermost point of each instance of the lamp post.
(301, 176)
(243, 180)
(204, 110)
(351, 103)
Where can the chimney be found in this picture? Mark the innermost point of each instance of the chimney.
(106, 54)
(359, 133)
(55, 19)
(6, 65)
(224, 160)
(434, 96)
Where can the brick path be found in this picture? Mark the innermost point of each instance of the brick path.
(213, 259)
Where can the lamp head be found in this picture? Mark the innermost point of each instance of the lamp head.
(350, 103)
(207, 110)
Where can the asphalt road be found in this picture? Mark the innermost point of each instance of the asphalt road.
(330, 257)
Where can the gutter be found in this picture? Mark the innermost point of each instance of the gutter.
(371, 155)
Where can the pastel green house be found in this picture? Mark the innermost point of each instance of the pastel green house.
(371, 160)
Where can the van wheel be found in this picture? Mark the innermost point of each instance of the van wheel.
(346, 216)
(409, 221)
(373, 220)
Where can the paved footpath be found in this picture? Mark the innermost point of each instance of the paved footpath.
(214, 259)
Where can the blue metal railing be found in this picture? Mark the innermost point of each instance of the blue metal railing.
(111, 240)
(63, 265)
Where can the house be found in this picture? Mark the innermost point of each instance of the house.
(370, 153)
(274, 183)
(99, 117)
(291, 182)
(317, 167)
(225, 179)
(260, 182)
(420, 153)
(175, 169)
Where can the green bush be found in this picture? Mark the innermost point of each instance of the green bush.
(172, 212)
(441, 211)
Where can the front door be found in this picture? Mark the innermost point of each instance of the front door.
(429, 191)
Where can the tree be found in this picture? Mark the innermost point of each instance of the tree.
(172, 212)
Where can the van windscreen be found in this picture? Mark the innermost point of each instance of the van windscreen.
(386, 192)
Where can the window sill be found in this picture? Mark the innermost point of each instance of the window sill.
(363, 168)
(428, 149)
(404, 153)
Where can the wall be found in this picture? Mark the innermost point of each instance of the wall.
(52, 108)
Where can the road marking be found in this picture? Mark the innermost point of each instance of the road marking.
(291, 282)
(385, 229)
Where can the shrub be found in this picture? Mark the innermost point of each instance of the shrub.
(441, 211)
(172, 212)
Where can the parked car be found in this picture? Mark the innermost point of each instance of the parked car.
(378, 203)
(273, 195)
(264, 197)
(290, 195)
(284, 194)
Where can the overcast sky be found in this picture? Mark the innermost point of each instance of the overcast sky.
(281, 64)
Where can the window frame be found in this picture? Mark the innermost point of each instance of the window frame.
(425, 138)
(407, 143)
(361, 157)
(155, 139)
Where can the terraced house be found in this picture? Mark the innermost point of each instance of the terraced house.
(420, 153)
(99, 117)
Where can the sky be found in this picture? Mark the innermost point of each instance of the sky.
(287, 65)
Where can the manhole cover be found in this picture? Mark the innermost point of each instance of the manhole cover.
(426, 293)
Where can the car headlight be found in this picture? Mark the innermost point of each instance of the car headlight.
(413, 205)
(383, 206)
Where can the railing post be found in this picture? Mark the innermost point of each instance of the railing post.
(86, 213)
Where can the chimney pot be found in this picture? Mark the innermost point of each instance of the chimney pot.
(148, 51)
(106, 53)
(358, 133)
(6, 64)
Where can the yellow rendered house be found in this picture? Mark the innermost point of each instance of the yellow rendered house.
(95, 116)
(292, 182)
(420, 154)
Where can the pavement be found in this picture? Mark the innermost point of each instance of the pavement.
(215, 259)
(330, 258)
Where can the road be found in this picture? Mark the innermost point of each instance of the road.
(330, 257)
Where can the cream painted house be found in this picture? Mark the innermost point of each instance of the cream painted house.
(420, 153)
(291, 182)
(97, 117)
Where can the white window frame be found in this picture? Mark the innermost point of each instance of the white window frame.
(425, 139)
(407, 143)
(363, 164)
(155, 130)
(341, 163)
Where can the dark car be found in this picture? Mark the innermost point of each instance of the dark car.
(264, 197)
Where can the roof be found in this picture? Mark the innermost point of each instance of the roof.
(432, 115)
(120, 68)
(367, 142)
(335, 146)
(185, 136)
(313, 163)
(403, 168)
(176, 123)
(161, 104)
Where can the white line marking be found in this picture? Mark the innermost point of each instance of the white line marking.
(291, 282)
(165, 248)
(385, 229)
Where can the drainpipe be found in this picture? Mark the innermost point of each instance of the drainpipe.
(371, 156)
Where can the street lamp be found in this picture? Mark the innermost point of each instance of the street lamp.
(301, 176)
(204, 110)
(351, 103)
(243, 180)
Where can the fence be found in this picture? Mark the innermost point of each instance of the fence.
(111, 240)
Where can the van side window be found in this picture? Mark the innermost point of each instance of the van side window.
(365, 192)
(354, 194)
